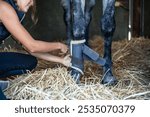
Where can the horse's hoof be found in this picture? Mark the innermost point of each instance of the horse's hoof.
(109, 80)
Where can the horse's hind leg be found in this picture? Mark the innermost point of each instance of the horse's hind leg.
(67, 18)
(108, 28)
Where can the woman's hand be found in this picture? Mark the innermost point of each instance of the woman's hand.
(63, 47)
(67, 61)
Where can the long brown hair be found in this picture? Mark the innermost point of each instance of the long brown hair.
(33, 12)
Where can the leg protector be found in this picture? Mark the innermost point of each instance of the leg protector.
(79, 52)
(76, 48)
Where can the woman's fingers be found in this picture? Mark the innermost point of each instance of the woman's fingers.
(64, 48)
(67, 61)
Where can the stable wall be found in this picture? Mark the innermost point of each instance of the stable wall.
(51, 26)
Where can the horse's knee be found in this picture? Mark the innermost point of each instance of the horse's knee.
(79, 23)
(107, 25)
(79, 28)
(108, 19)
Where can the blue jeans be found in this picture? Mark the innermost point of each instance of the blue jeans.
(2, 96)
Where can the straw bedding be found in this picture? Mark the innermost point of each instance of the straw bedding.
(131, 65)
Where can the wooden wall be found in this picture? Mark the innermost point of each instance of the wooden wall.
(141, 18)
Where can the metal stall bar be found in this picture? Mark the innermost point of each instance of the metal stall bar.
(130, 19)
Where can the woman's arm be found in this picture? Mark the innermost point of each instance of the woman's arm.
(66, 61)
(10, 19)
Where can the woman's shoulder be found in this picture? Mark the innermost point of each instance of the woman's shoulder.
(4, 6)
(6, 9)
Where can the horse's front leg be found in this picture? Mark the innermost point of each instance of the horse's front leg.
(67, 18)
(77, 43)
(89, 4)
(108, 28)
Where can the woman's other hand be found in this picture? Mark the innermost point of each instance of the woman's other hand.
(67, 61)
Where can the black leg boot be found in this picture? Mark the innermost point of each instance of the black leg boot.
(76, 48)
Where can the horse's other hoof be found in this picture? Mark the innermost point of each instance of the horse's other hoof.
(76, 76)
(109, 80)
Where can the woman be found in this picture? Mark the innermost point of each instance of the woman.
(10, 19)
(11, 14)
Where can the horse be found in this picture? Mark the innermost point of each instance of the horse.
(77, 17)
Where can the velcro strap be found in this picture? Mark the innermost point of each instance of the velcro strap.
(90, 53)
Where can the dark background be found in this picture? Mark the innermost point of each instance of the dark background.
(147, 18)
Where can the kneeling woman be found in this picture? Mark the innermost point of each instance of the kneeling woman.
(11, 15)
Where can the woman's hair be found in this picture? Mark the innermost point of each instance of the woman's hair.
(33, 12)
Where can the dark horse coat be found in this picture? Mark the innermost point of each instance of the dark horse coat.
(77, 15)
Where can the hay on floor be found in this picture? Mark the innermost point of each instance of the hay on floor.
(50, 81)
